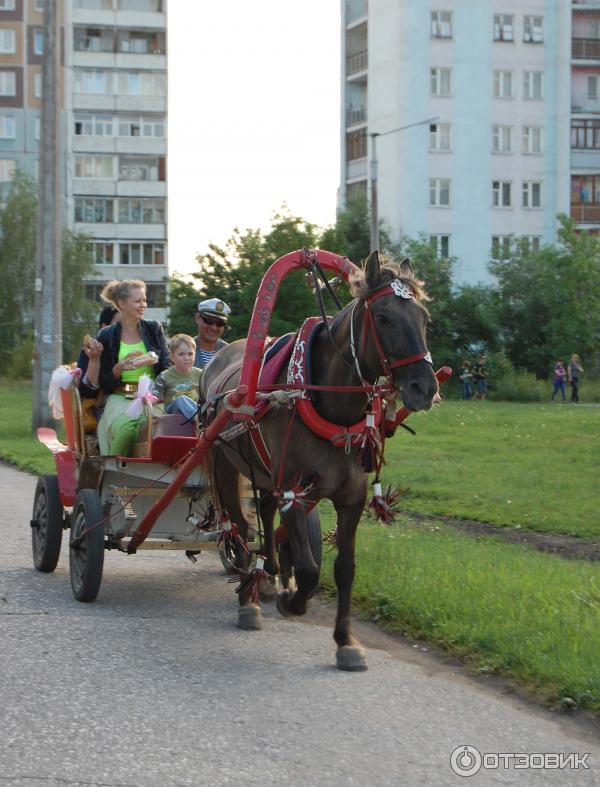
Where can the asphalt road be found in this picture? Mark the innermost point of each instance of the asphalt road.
(153, 684)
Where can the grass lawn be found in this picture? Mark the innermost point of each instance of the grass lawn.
(532, 465)
(17, 443)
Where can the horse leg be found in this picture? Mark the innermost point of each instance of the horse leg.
(306, 570)
(268, 508)
(350, 655)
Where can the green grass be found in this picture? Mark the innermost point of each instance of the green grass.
(17, 442)
(531, 465)
(503, 608)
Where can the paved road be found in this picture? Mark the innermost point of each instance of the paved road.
(154, 685)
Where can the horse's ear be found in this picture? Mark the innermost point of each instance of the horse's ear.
(372, 269)
(406, 269)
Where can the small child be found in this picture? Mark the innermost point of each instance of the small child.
(466, 376)
(178, 386)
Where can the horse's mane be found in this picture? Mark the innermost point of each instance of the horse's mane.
(388, 272)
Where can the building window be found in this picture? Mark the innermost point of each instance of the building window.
(532, 243)
(532, 194)
(501, 247)
(585, 189)
(7, 5)
(441, 24)
(356, 145)
(503, 27)
(142, 83)
(39, 5)
(8, 128)
(7, 169)
(533, 85)
(440, 81)
(8, 83)
(141, 211)
(38, 42)
(502, 139)
(94, 82)
(533, 29)
(37, 128)
(439, 136)
(94, 210)
(138, 168)
(356, 191)
(585, 134)
(503, 83)
(93, 39)
(103, 253)
(439, 192)
(94, 125)
(142, 127)
(92, 291)
(156, 295)
(37, 85)
(501, 192)
(141, 43)
(592, 88)
(441, 245)
(141, 254)
(94, 167)
(533, 140)
(8, 45)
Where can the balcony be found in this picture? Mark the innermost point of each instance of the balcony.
(586, 214)
(356, 115)
(584, 104)
(355, 10)
(357, 63)
(586, 49)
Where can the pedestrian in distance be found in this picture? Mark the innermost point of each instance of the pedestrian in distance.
(466, 377)
(480, 377)
(559, 380)
(574, 371)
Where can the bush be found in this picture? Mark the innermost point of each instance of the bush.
(519, 386)
(20, 365)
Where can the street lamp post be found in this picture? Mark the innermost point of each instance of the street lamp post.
(374, 175)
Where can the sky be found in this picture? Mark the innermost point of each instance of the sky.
(254, 117)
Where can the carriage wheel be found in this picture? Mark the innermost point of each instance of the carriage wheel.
(285, 555)
(86, 559)
(46, 524)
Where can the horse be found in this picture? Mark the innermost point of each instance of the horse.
(382, 332)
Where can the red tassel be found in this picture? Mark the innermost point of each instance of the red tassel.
(370, 448)
(251, 583)
(383, 505)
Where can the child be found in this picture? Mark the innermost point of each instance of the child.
(466, 377)
(178, 386)
(560, 374)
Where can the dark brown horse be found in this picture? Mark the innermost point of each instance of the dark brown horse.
(392, 343)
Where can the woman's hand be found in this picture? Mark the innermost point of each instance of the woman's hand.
(92, 348)
(126, 364)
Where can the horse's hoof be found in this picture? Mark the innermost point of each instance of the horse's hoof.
(268, 589)
(351, 658)
(250, 618)
(283, 603)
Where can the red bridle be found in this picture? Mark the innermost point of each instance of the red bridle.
(386, 365)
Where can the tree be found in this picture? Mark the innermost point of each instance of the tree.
(78, 313)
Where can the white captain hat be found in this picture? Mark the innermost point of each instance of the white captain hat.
(215, 307)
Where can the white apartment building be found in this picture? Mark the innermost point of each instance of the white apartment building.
(116, 115)
(505, 100)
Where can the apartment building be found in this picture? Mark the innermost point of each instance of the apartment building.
(114, 140)
(485, 116)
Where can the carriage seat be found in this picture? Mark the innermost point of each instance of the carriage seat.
(172, 438)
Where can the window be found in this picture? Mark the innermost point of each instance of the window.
(502, 139)
(439, 136)
(501, 247)
(7, 5)
(356, 145)
(585, 189)
(8, 40)
(93, 39)
(93, 210)
(533, 140)
(94, 167)
(533, 29)
(141, 253)
(39, 5)
(532, 243)
(441, 245)
(439, 193)
(533, 85)
(142, 83)
(142, 127)
(503, 27)
(501, 191)
(7, 169)
(88, 81)
(8, 128)
(8, 83)
(38, 42)
(592, 87)
(503, 84)
(139, 168)
(92, 291)
(103, 253)
(139, 5)
(156, 295)
(585, 134)
(441, 24)
(37, 127)
(94, 125)
(356, 191)
(37, 85)
(141, 211)
(141, 43)
(532, 194)
(440, 81)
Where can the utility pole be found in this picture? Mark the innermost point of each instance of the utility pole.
(374, 176)
(48, 278)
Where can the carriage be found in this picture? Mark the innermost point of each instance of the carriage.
(165, 496)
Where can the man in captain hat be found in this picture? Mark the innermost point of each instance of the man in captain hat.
(211, 317)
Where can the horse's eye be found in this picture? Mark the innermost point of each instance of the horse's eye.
(384, 321)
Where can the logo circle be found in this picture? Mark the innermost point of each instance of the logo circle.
(465, 761)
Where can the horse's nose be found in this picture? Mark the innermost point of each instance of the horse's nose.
(422, 390)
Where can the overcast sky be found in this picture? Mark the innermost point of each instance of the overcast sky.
(253, 117)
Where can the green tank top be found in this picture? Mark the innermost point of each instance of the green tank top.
(133, 375)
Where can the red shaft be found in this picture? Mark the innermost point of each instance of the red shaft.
(442, 375)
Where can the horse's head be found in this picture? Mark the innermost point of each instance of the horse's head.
(395, 325)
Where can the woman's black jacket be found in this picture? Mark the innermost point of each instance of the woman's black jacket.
(154, 339)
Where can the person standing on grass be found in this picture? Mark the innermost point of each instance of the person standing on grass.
(465, 377)
(211, 318)
(560, 375)
(575, 370)
(480, 377)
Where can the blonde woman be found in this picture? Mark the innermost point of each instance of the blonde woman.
(124, 342)
(575, 370)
